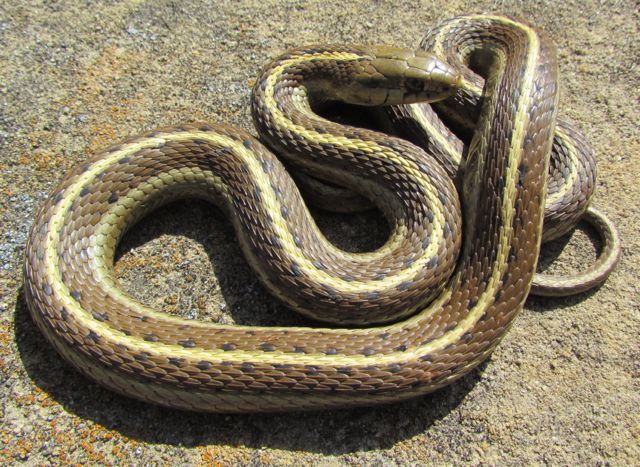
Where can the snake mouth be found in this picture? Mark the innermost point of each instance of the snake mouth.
(432, 91)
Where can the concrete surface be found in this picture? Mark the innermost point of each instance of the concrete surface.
(562, 388)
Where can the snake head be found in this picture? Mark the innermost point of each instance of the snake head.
(394, 75)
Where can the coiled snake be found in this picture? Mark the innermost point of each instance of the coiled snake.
(433, 325)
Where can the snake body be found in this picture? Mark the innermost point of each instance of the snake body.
(431, 335)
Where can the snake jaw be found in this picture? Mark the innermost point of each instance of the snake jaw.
(428, 78)
(432, 90)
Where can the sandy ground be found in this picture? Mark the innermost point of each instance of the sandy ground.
(562, 388)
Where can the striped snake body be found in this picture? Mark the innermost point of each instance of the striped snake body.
(444, 331)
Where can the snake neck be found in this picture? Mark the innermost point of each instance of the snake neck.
(410, 190)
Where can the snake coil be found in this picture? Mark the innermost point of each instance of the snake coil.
(432, 329)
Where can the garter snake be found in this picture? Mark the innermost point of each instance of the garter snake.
(430, 332)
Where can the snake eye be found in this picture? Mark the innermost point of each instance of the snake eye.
(414, 85)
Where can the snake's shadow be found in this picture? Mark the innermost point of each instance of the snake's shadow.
(331, 432)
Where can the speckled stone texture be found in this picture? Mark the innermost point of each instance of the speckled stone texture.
(562, 388)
